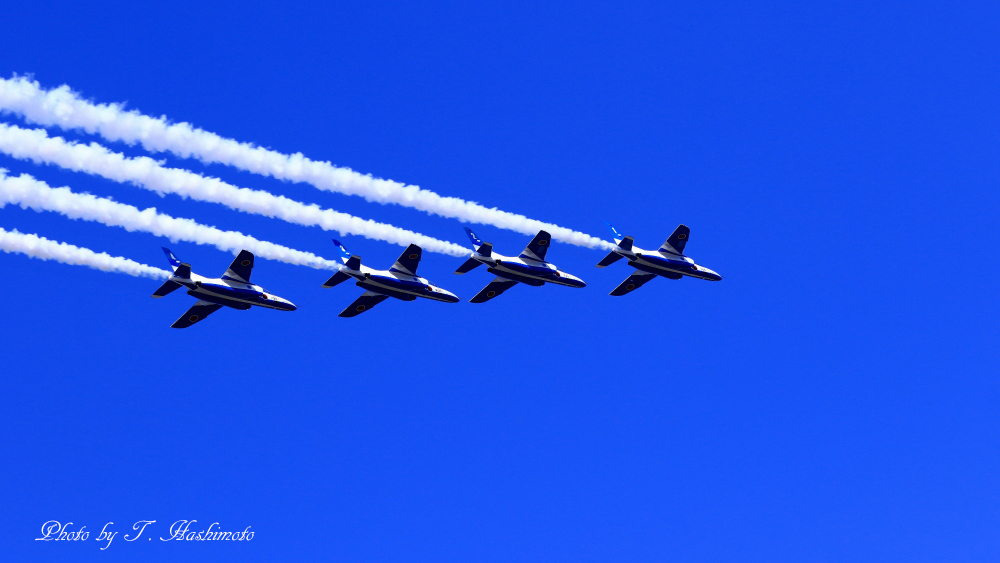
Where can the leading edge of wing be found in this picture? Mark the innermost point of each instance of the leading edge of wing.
(241, 268)
(493, 289)
(367, 300)
(198, 312)
(632, 283)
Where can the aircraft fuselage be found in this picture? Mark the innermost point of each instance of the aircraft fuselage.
(528, 271)
(657, 262)
(232, 293)
(399, 285)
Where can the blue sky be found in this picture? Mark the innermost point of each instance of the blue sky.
(833, 398)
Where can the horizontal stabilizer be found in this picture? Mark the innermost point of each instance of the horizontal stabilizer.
(485, 249)
(632, 283)
(183, 271)
(166, 288)
(353, 263)
(610, 259)
(367, 300)
(339, 277)
(469, 265)
(625, 243)
(495, 287)
(200, 310)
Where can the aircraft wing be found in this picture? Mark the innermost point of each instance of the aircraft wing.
(495, 287)
(367, 300)
(538, 246)
(200, 310)
(633, 282)
(408, 260)
(678, 240)
(241, 267)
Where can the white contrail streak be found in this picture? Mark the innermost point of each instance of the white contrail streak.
(64, 108)
(31, 193)
(45, 249)
(144, 172)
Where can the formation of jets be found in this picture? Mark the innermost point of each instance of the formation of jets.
(401, 281)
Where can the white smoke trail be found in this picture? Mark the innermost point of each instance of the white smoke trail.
(45, 249)
(31, 193)
(37, 146)
(64, 108)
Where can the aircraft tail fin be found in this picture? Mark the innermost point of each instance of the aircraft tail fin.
(344, 254)
(181, 269)
(610, 259)
(614, 232)
(476, 243)
(174, 261)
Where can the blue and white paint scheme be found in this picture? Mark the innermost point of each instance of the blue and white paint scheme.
(232, 290)
(529, 268)
(668, 261)
(400, 281)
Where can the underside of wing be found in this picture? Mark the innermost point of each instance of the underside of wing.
(632, 283)
(241, 268)
(495, 287)
(408, 260)
(610, 259)
(200, 310)
(677, 241)
(538, 246)
(367, 300)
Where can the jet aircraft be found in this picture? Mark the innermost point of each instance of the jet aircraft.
(529, 268)
(669, 261)
(399, 281)
(233, 289)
